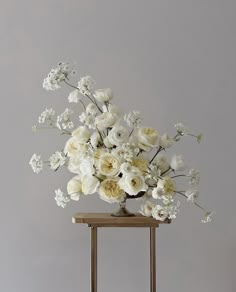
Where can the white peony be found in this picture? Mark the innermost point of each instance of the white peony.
(103, 95)
(159, 213)
(110, 191)
(108, 164)
(177, 163)
(82, 134)
(74, 188)
(118, 135)
(147, 208)
(147, 138)
(105, 120)
(166, 141)
(132, 184)
(90, 184)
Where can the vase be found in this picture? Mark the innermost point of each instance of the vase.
(122, 211)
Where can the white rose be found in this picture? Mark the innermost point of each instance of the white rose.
(108, 164)
(105, 120)
(177, 163)
(159, 213)
(72, 147)
(103, 95)
(166, 141)
(147, 208)
(82, 134)
(132, 184)
(90, 184)
(118, 135)
(92, 109)
(74, 188)
(110, 191)
(147, 138)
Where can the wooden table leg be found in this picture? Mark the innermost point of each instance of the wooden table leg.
(93, 259)
(153, 259)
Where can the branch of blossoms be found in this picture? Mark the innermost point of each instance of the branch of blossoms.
(109, 153)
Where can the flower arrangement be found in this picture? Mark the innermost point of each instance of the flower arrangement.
(114, 155)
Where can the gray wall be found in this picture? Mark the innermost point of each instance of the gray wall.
(175, 61)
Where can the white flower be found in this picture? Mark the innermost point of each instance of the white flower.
(95, 140)
(194, 176)
(133, 184)
(181, 129)
(86, 167)
(110, 191)
(82, 134)
(64, 120)
(108, 164)
(118, 135)
(61, 198)
(46, 115)
(74, 188)
(177, 163)
(86, 85)
(74, 96)
(56, 76)
(147, 138)
(159, 213)
(57, 160)
(127, 151)
(34, 129)
(105, 120)
(165, 189)
(133, 119)
(92, 109)
(162, 161)
(72, 147)
(36, 163)
(103, 95)
(207, 217)
(166, 141)
(172, 210)
(88, 120)
(192, 194)
(112, 108)
(147, 208)
(127, 168)
(90, 184)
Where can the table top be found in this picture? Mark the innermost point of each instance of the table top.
(106, 220)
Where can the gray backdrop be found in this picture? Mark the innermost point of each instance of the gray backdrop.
(174, 61)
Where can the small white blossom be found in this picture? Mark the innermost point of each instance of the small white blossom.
(181, 129)
(86, 85)
(103, 95)
(36, 163)
(46, 115)
(74, 96)
(61, 198)
(194, 176)
(88, 120)
(172, 210)
(207, 217)
(166, 141)
(56, 76)
(64, 120)
(92, 109)
(57, 160)
(34, 128)
(133, 119)
(192, 194)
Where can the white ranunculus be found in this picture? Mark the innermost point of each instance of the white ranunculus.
(132, 184)
(74, 188)
(92, 109)
(147, 138)
(192, 194)
(166, 141)
(90, 184)
(159, 213)
(103, 95)
(105, 120)
(147, 208)
(110, 191)
(82, 134)
(118, 135)
(108, 164)
(177, 163)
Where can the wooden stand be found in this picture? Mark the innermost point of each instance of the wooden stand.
(95, 220)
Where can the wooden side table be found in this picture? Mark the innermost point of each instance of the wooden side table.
(95, 220)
